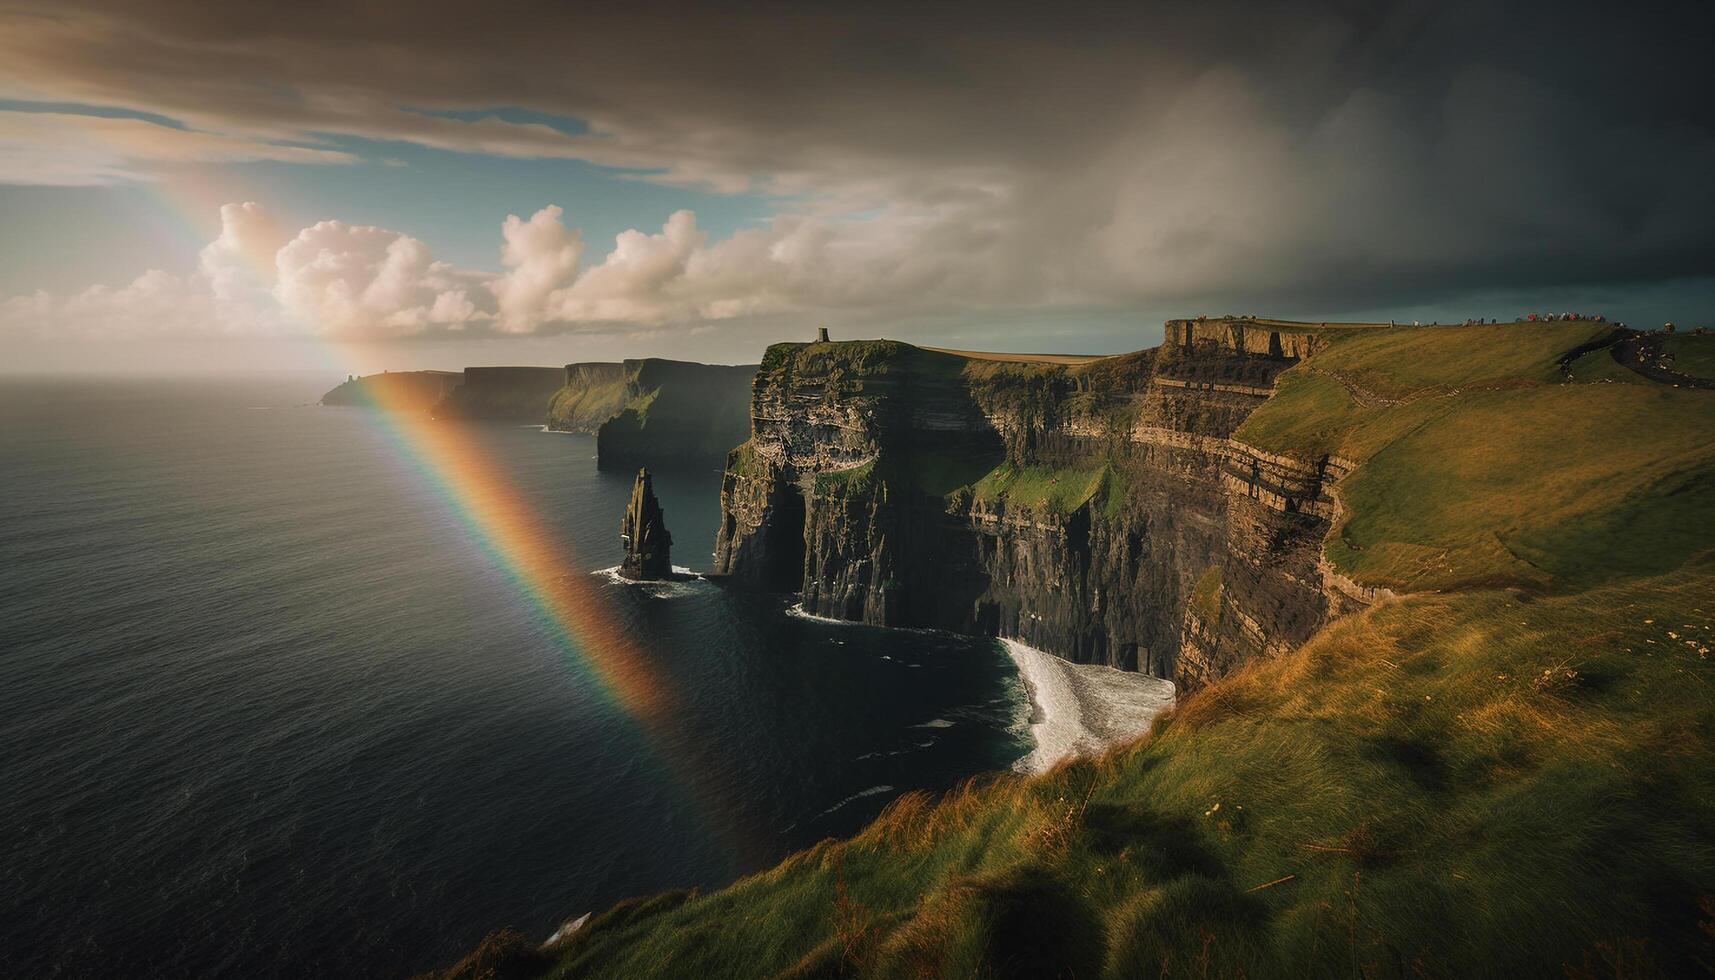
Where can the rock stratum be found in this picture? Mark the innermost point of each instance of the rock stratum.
(1102, 511)
(654, 411)
(1439, 600)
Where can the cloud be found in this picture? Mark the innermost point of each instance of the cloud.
(56, 148)
(359, 280)
(239, 264)
(1275, 156)
(331, 279)
(341, 280)
(540, 256)
(638, 280)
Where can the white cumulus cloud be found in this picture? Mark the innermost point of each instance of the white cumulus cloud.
(540, 255)
(342, 279)
(361, 281)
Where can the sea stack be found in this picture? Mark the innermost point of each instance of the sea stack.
(648, 544)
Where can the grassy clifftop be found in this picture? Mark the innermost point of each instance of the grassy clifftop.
(1508, 771)
(592, 394)
(1478, 466)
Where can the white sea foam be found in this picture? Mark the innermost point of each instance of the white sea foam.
(937, 723)
(1081, 709)
(797, 611)
(687, 583)
(567, 929)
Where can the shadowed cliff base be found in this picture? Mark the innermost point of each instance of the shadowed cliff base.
(653, 411)
(502, 394)
(1496, 763)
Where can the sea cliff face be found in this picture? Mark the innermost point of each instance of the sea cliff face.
(1100, 511)
(514, 394)
(674, 412)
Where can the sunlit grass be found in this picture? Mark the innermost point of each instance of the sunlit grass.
(1511, 776)
(1452, 785)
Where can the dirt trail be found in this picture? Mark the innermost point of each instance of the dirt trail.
(1644, 355)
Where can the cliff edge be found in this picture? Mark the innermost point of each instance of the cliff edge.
(1500, 765)
(1098, 509)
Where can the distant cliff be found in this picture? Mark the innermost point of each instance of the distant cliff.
(512, 394)
(653, 411)
(414, 391)
(1101, 510)
(591, 394)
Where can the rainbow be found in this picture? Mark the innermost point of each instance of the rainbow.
(506, 527)
(568, 603)
(565, 599)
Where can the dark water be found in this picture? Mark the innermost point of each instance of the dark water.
(266, 709)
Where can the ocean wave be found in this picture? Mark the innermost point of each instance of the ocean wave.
(567, 928)
(688, 582)
(797, 611)
(1081, 709)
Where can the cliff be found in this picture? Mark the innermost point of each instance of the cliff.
(1502, 767)
(1255, 336)
(592, 393)
(648, 544)
(512, 394)
(409, 391)
(675, 412)
(1079, 507)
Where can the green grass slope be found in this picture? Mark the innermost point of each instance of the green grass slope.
(1693, 354)
(1477, 471)
(584, 407)
(1506, 772)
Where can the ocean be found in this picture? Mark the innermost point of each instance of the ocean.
(269, 708)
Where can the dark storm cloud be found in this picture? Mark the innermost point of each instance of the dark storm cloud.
(1284, 153)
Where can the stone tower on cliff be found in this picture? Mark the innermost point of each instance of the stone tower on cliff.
(648, 545)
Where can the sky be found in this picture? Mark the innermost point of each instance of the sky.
(188, 186)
